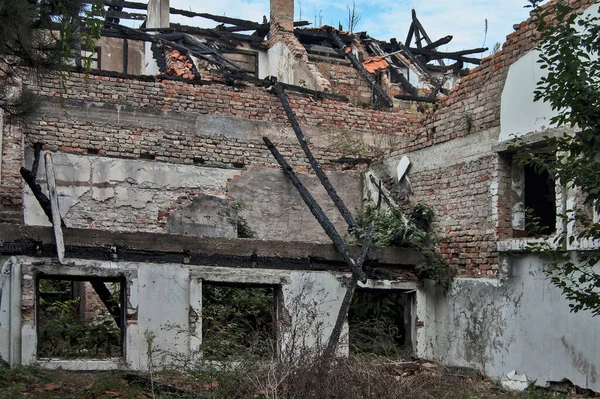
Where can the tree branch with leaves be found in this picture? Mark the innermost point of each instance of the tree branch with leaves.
(569, 44)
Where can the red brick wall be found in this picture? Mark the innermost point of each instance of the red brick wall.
(63, 134)
(10, 179)
(470, 217)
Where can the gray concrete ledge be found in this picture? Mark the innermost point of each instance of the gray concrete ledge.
(165, 248)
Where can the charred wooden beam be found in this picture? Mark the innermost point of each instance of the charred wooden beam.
(321, 35)
(381, 97)
(105, 296)
(117, 15)
(456, 67)
(419, 29)
(318, 213)
(440, 42)
(126, 4)
(456, 55)
(206, 32)
(421, 99)
(409, 35)
(125, 55)
(334, 338)
(314, 163)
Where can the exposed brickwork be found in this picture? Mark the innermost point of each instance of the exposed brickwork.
(179, 65)
(10, 180)
(473, 200)
(461, 197)
(473, 105)
(123, 140)
(282, 14)
(344, 79)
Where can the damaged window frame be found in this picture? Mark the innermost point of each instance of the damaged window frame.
(66, 362)
(276, 296)
(522, 229)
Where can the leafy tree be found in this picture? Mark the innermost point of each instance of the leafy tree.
(569, 45)
(42, 35)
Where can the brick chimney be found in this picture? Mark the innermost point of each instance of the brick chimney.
(282, 14)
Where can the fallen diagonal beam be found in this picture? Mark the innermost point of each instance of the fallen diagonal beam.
(30, 179)
(314, 163)
(317, 212)
(106, 297)
(381, 97)
(56, 219)
(334, 338)
(45, 203)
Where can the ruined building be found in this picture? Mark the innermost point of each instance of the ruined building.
(155, 157)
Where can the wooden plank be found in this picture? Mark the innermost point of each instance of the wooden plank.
(114, 14)
(58, 234)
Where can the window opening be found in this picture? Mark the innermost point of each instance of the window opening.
(540, 202)
(238, 322)
(74, 319)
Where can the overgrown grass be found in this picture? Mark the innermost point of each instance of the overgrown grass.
(352, 378)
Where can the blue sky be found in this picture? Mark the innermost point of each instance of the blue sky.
(383, 19)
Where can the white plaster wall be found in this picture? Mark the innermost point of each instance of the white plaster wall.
(165, 300)
(164, 309)
(312, 301)
(519, 114)
(520, 322)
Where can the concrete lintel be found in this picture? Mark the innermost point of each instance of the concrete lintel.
(160, 248)
(533, 138)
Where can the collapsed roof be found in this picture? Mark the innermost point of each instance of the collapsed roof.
(369, 56)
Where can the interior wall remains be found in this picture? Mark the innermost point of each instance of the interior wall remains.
(164, 301)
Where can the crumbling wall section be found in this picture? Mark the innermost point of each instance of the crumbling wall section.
(344, 79)
(456, 167)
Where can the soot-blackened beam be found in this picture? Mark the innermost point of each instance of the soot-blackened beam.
(421, 99)
(106, 297)
(381, 96)
(456, 67)
(317, 212)
(115, 15)
(457, 55)
(437, 43)
(334, 339)
(409, 35)
(314, 163)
